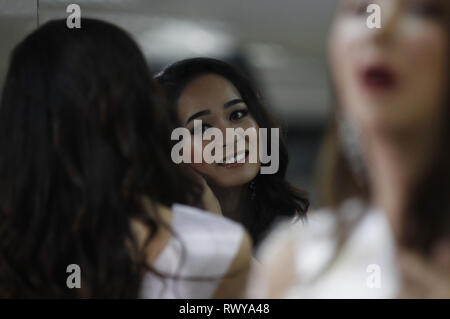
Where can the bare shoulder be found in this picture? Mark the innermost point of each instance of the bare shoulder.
(243, 256)
(234, 282)
(276, 271)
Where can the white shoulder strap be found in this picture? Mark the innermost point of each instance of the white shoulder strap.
(199, 254)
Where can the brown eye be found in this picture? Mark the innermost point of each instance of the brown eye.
(237, 115)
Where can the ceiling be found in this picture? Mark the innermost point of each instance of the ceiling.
(283, 41)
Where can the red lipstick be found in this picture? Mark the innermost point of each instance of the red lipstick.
(378, 78)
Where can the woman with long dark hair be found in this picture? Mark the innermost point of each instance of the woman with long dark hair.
(222, 97)
(86, 178)
(386, 163)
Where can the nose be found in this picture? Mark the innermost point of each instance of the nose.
(227, 142)
(390, 11)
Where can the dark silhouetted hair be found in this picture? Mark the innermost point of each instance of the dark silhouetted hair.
(84, 136)
(275, 197)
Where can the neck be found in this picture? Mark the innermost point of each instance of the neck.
(396, 161)
(232, 201)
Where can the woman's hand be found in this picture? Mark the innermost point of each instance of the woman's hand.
(210, 201)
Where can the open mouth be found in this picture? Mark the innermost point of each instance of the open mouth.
(378, 78)
(235, 160)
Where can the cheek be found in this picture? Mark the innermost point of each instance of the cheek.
(251, 123)
(206, 170)
(346, 37)
(426, 57)
(426, 68)
(344, 46)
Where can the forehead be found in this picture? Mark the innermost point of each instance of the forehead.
(206, 91)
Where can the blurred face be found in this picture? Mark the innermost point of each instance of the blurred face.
(396, 76)
(217, 103)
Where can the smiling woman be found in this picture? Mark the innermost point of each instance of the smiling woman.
(222, 98)
(216, 101)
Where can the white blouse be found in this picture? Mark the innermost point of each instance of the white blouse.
(364, 268)
(196, 258)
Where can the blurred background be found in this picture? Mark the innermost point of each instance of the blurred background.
(279, 44)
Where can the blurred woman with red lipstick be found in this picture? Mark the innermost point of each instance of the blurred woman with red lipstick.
(386, 164)
(219, 95)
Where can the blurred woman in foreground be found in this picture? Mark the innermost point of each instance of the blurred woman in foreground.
(386, 169)
(86, 178)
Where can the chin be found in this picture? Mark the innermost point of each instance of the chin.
(237, 177)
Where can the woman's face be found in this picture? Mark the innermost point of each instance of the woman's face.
(217, 103)
(395, 76)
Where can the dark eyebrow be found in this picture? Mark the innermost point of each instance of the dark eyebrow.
(233, 102)
(196, 115)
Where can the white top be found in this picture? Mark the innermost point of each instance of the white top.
(202, 250)
(364, 268)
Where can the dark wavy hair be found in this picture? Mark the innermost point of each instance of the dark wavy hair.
(83, 139)
(275, 196)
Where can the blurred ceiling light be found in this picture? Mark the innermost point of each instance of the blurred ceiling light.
(267, 55)
(173, 39)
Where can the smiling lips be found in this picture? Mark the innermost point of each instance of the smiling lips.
(234, 160)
